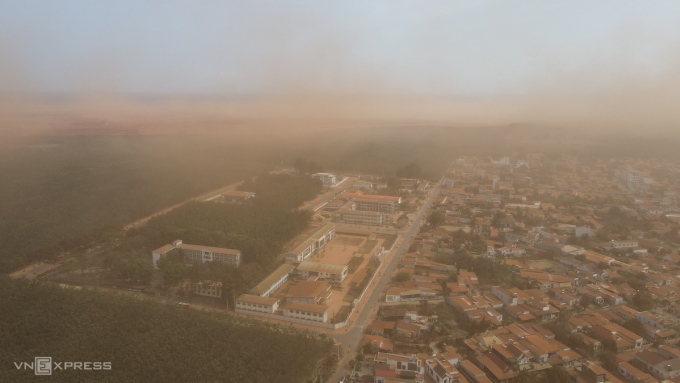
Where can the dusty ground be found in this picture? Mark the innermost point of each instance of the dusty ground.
(340, 250)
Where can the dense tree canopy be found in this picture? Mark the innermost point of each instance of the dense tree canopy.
(61, 194)
(145, 341)
(260, 228)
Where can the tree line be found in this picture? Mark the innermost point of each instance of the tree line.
(145, 340)
(259, 228)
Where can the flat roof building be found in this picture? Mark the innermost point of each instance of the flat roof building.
(273, 281)
(374, 218)
(371, 202)
(313, 292)
(327, 179)
(334, 273)
(310, 245)
(247, 304)
(199, 254)
(306, 311)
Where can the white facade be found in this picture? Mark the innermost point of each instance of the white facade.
(316, 241)
(199, 254)
(306, 311)
(253, 303)
(327, 179)
(373, 218)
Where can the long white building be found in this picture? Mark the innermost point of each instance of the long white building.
(273, 281)
(372, 202)
(374, 218)
(314, 242)
(199, 254)
(247, 304)
(307, 311)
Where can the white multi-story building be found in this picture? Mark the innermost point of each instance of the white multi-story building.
(273, 281)
(327, 179)
(371, 202)
(247, 304)
(374, 218)
(315, 241)
(307, 311)
(199, 254)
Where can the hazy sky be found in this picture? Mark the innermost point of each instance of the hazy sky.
(440, 48)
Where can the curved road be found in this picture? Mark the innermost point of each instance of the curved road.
(351, 340)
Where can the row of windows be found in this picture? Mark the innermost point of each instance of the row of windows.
(304, 313)
(208, 291)
(254, 305)
(229, 259)
(253, 309)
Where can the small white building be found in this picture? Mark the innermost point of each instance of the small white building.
(247, 304)
(327, 179)
(306, 311)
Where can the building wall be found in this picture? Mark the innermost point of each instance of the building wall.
(245, 308)
(197, 256)
(306, 315)
(275, 286)
(362, 219)
(384, 206)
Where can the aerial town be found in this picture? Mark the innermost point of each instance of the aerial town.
(340, 191)
(503, 270)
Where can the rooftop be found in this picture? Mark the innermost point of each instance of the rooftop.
(272, 278)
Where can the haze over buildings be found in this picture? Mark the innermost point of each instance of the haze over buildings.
(609, 64)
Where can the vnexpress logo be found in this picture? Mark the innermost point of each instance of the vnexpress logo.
(43, 365)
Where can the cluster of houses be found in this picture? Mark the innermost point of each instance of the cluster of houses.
(595, 246)
(494, 356)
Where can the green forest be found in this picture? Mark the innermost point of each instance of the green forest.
(65, 193)
(146, 341)
(260, 228)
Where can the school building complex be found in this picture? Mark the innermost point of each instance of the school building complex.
(199, 254)
(314, 242)
(371, 202)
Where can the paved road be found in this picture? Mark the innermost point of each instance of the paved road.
(352, 338)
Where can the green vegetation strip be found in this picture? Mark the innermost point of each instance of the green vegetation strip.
(146, 341)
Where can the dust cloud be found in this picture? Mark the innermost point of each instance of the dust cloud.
(322, 82)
